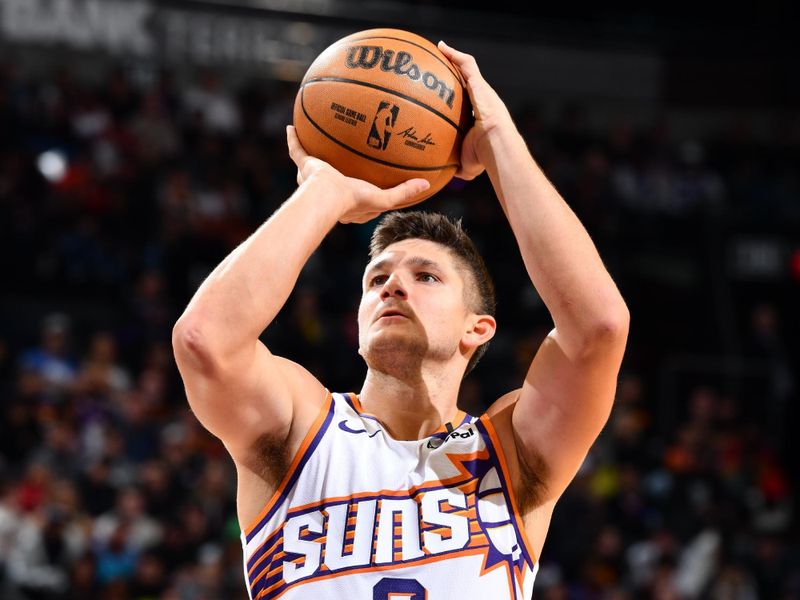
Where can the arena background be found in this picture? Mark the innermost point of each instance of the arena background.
(140, 141)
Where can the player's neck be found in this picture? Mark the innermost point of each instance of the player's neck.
(411, 408)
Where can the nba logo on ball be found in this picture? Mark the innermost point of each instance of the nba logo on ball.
(383, 125)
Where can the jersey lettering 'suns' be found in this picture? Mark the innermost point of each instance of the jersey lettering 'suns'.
(401, 63)
(376, 533)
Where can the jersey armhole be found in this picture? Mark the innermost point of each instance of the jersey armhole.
(307, 447)
(508, 486)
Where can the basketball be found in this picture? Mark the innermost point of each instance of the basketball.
(384, 105)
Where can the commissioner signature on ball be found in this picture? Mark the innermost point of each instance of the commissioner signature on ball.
(412, 133)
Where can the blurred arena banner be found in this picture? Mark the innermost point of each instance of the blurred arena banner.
(165, 33)
(279, 39)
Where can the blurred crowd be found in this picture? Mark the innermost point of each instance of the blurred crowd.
(118, 197)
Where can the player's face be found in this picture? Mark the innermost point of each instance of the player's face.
(413, 304)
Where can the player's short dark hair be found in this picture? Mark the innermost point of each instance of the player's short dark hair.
(398, 226)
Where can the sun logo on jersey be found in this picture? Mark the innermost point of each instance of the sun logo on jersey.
(496, 520)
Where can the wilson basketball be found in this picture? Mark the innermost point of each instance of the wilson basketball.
(384, 105)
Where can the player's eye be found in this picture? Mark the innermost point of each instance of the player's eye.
(427, 277)
(377, 280)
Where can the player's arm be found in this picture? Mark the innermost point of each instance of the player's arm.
(567, 394)
(236, 387)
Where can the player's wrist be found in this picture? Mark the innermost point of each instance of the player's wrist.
(499, 137)
(330, 193)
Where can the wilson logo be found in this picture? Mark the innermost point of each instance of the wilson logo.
(382, 125)
(400, 63)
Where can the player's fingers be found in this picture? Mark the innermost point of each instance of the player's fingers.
(469, 174)
(466, 63)
(359, 218)
(296, 151)
(403, 193)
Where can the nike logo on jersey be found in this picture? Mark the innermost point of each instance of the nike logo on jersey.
(345, 427)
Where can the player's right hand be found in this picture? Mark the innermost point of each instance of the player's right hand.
(491, 114)
(361, 201)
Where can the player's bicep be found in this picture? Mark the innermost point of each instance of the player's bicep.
(246, 396)
(563, 405)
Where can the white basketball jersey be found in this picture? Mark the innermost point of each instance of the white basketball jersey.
(363, 516)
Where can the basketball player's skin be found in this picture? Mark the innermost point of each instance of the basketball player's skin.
(261, 405)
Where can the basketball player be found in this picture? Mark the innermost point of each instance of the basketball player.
(393, 492)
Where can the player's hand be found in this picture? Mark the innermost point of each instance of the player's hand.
(362, 201)
(490, 112)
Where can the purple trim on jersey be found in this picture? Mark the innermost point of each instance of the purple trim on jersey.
(442, 434)
(277, 534)
(296, 474)
(504, 487)
(489, 492)
(349, 400)
(270, 581)
(467, 419)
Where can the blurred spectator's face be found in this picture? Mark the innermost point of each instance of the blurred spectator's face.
(131, 504)
(765, 320)
(104, 348)
(150, 570)
(55, 341)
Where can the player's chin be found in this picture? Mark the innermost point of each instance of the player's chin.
(394, 345)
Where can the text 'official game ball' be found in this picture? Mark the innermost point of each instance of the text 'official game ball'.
(384, 105)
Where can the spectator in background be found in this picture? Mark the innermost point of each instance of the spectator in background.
(52, 361)
(211, 107)
(127, 526)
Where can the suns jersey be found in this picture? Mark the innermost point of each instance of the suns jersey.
(360, 515)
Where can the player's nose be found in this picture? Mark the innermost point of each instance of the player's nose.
(393, 287)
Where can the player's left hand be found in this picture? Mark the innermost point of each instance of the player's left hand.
(359, 200)
(490, 111)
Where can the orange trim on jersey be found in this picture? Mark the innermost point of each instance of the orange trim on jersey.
(498, 565)
(356, 403)
(309, 437)
(384, 567)
(501, 458)
(456, 421)
(266, 554)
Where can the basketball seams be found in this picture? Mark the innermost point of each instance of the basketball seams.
(357, 152)
(420, 46)
(388, 91)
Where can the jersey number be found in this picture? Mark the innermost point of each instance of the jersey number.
(394, 588)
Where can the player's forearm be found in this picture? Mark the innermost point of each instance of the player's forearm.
(245, 292)
(559, 255)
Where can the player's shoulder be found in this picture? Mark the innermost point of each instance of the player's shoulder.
(503, 406)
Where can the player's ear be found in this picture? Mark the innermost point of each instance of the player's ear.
(481, 329)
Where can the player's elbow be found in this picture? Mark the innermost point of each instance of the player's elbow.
(608, 332)
(615, 324)
(190, 347)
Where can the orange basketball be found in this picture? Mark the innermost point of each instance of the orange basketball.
(384, 105)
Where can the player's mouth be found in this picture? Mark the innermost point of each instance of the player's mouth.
(391, 314)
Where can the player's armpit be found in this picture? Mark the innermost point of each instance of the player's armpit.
(563, 406)
(528, 473)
